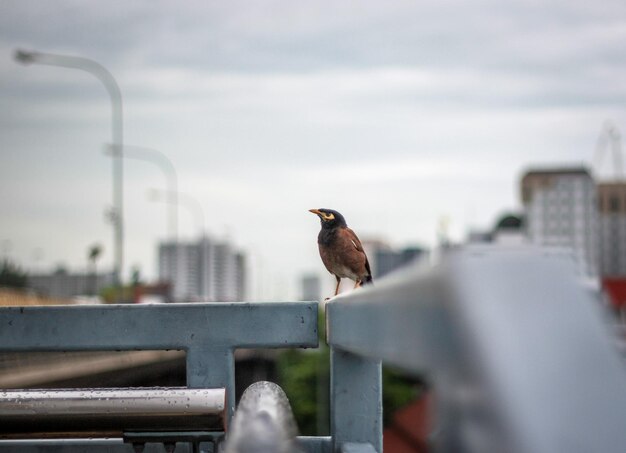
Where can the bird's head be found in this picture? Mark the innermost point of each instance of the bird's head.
(329, 218)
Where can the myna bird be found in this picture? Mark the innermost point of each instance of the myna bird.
(341, 250)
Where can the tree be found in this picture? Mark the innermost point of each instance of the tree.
(12, 276)
(94, 253)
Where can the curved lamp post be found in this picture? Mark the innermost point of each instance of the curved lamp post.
(160, 159)
(610, 135)
(192, 205)
(102, 74)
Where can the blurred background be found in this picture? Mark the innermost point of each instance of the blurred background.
(414, 120)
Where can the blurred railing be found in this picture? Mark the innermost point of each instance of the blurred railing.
(516, 347)
(517, 350)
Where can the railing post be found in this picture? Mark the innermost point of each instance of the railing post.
(213, 367)
(356, 400)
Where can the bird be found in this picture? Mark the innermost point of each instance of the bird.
(341, 250)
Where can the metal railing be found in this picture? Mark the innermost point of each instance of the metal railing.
(263, 422)
(208, 333)
(114, 412)
(518, 352)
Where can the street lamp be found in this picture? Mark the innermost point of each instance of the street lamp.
(160, 159)
(610, 134)
(188, 201)
(102, 74)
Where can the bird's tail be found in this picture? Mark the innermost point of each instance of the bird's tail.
(368, 280)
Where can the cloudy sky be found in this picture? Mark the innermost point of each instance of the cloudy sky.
(397, 114)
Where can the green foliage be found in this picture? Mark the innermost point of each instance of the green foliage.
(111, 296)
(94, 252)
(398, 391)
(12, 276)
(135, 276)
(305, 377)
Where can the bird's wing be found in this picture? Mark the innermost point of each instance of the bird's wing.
(357, 245)
(355, 240)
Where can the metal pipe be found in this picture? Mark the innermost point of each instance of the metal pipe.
(81, 413)
(263, 422)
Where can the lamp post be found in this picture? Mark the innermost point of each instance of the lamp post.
(102, 74)
(160, 159)
(610, 135)
(188, 201)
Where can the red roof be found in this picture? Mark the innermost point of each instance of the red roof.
(410, 428)
(615, 288)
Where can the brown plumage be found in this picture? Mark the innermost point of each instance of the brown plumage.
(340, 249)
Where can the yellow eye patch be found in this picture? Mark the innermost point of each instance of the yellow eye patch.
(329, 216)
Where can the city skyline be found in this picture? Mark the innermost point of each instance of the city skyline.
(397, 115)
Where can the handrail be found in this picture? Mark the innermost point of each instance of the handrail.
(263, 422)
(208, 332)
(84, 413)
(518, 350)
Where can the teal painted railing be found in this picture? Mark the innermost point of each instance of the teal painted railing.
(517, 351)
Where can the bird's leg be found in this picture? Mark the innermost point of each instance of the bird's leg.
(357, 284)
(337, 287)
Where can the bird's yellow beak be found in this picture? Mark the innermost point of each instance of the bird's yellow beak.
(326, 217)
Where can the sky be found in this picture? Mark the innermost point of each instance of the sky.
(397, 114)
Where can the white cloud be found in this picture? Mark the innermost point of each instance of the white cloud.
(268, 109)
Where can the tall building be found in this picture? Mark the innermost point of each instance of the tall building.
(62, 284)
(390, 260)
(508, 231)
(560, 211)
(311, 287)
(180, 264)
(203, 270)
(612, 228)
(383, 258)
(241, 276)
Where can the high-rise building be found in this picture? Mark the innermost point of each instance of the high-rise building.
(508, 231)
(383, 258)
(311, 287)
(203, 271)
(612, 228)
(241, 276)
(560, 211)
(63, 284)
(390, 260)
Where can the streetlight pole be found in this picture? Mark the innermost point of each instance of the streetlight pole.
(157, 157)
(188, 201)
(107, 79)
(610, 134)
